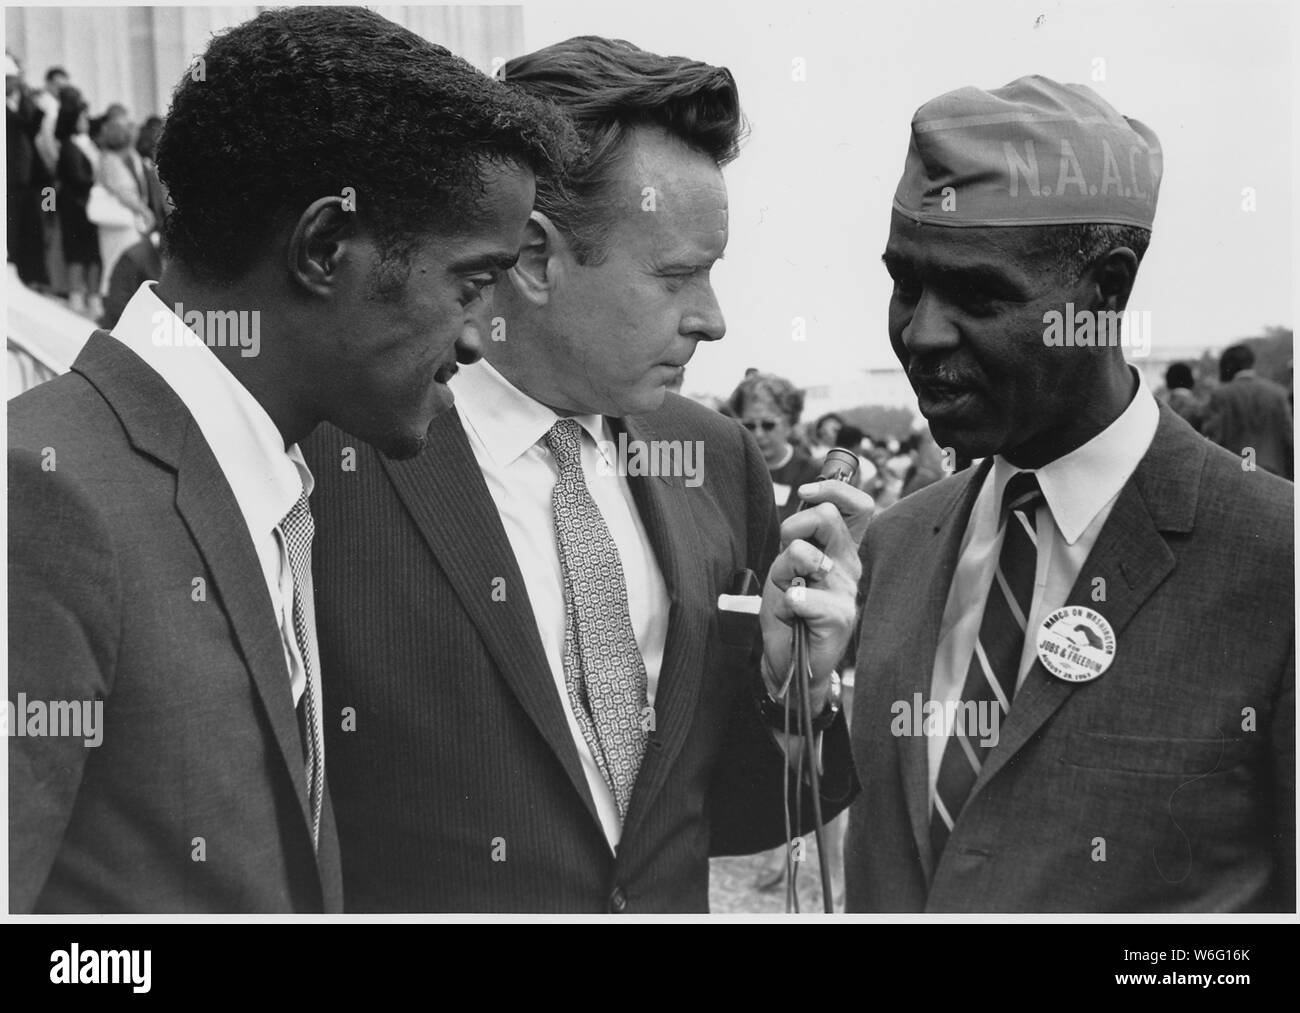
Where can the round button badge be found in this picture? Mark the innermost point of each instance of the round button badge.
(1076, 644)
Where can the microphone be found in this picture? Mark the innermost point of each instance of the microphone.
(841, 465)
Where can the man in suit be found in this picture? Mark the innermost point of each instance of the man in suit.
(535, 702)
(164, 679)
(25, 177)
(1075, 689)
(1247, 411)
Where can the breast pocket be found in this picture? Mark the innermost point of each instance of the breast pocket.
(1156, 755)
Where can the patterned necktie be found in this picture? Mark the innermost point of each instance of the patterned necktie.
(297, 530)
(603, 669)
(995, 662)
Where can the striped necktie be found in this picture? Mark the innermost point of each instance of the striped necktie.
(995, 662)
(603, 669)
(297, 530)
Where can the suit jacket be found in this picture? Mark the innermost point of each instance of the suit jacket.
(117, 508)
(1250, 411)
(456, 782)
(137, 264)
(1167, 784)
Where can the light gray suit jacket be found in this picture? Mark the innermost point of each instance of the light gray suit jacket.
(116, 507)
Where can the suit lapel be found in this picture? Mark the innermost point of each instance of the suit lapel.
(206, 504)
(932, 565)
(447, 497)
(1133, 559)
(665, 512)
(159, 425)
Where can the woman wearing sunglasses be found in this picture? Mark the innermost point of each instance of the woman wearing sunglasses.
(769, 407)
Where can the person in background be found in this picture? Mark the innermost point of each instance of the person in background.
(824, 432)
(1248, 412)
(119, 174)
(25, 177)
(48, 102)
(76, 174)
(147, 142)
(926, 466)
(141, 263)
(1180, 394)
(769, 407)
(139, 140)
(47, 146)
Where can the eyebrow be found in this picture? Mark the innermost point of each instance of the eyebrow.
(980, 276)
(694, 263)
(501, 261)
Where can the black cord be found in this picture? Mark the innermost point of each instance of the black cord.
(799, 679)
(791, 895)
(804, 668)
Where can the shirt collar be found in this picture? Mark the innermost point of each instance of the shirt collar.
(1078, 485)
(265, 478)
(505, 419)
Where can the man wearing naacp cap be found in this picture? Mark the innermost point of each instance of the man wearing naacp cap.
(1155, 770)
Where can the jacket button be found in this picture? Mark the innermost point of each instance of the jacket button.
(618, 901)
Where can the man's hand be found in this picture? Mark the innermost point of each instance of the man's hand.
(836, 518)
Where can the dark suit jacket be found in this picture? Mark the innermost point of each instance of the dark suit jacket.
(200, 739)
(137, 264)
(461, 752)
(1250, 411)
(1179, 760)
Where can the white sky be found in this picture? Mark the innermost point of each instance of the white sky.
(810, 194)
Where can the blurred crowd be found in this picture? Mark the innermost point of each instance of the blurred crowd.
(83, 198)
(1244, 412)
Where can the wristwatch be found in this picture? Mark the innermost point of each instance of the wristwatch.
(773, 711)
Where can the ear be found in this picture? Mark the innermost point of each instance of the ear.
(324, 233)
(1111, 278)
(542, 260)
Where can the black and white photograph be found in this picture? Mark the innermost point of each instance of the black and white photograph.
(705, 462)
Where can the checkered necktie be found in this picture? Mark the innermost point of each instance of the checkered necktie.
(603, 669)
(297, 530)
(995, 662)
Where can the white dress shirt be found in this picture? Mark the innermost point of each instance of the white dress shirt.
(265, 478)
(1080, 489)
(506, 430)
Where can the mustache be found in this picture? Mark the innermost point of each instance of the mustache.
(934, 372)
